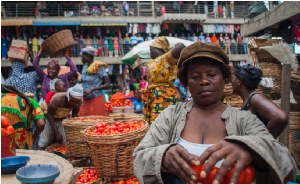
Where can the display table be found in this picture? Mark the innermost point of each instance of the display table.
(67, 172)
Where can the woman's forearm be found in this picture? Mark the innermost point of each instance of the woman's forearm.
(73, 68)
(37, 67)
(276, 125)
(40, 125)
(104, 86)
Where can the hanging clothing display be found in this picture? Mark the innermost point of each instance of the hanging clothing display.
(135, 26)
(148, 28)
(187, 27)
(142, 28)
(165, 26)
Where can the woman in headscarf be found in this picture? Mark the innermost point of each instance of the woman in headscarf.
(94, 79)
(245, 81)
(53, 68)
(59, 108)
(161, 74)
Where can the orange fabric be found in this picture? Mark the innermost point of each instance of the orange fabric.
(214, 39)
(94, 106)
(165, 26)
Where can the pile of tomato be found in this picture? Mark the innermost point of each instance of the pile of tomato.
(118, 96)
(247, 176)
(63, 150)
(87, 176)
(130, 94)
(102, 129)
(129, 181)
(108, 106)
(128, 103)
(6, 127)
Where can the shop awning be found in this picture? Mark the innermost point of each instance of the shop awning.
(56, 22)
(16, 23)
(103, 23)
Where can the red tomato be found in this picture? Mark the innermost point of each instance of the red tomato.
(117, 123)
(10, 130)
(3, 132)
(198, 171)
(249, 174)
(95, 131)
(4, 122)
(229, 174)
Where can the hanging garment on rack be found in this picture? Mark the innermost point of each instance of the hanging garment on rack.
(221, 28)
(231, 27)
(224, 28)
(138, 28)
(142, 28)
(238, 27)
(165, 26)
(98, 31)
(213, 28)
(217, 28)
(204, 29)
(187, 26)
(135, 28)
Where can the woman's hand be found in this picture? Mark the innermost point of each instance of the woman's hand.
(233, 153)
(67, 52)
(177, 160)
(40, 51)
(87, 92)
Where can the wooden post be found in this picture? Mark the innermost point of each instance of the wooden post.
(152, 7)
(285, 101)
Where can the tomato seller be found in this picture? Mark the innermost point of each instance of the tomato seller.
(60, 106)
(204, 130)
(138, 105)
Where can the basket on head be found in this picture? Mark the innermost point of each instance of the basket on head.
(58, 43)
(112, 155)
(77, 145)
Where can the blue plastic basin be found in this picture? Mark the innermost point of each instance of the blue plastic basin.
(132, 99)
(38, 173)
(10, 165)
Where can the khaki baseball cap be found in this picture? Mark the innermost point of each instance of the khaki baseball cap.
(199, 49)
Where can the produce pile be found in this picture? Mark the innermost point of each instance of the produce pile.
(117, 103)
(6, 127)
(118, 96)
(63, 150)
(102, 129)
(247, 176)
(87, 176)
(129, 181)
(130, 94)
(108, 106)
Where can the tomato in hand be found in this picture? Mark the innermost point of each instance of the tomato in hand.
(198, 171)
(229, 174)
(249, 174)
(211, 176)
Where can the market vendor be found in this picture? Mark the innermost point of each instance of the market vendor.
(53, 68)
(161, 74)
(205, 130)
(21, 111)
(245, 81)
(94, 79)
(60, 106)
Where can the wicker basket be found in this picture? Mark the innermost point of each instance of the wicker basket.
(112, 155)
(127, 116)
(77, 145)
(58, 43)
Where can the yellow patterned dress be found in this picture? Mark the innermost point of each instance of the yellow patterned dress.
(161, 92)
(19, 115)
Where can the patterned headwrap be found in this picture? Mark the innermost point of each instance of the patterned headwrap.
(55, 63)
(161, 43)
(76, 92)
(90, 51)
(250, 75)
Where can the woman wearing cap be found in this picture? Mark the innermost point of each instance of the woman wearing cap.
(53, 68)
(204, 130)
(93, 79)
(245, 81)
(161, 74)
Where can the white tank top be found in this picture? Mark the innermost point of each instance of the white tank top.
(196, 149)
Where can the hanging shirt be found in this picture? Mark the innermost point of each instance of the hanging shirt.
(98, 31)
(187, 27)
(135, 26)
(207, 39)
(133, 40)
(165, 26)
(201, 38)
(142, 28)
(105, 41)
(127, 40)
(140, 39)
(148, 28)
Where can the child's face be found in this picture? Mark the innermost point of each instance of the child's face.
(72, 81)
(61, 88)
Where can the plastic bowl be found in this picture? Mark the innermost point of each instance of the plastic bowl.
(10, 165)
(38, 173)
(132, 99)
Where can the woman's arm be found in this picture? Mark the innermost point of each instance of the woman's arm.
(73, 68)
(276, 117)
(40, 125)
(36, 65)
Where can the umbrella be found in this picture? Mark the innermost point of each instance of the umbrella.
(63, 70)
(142, 50)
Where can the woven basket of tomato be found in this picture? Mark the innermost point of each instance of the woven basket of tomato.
(88, 176)
(59, 149)
(127, 116)
(112, 146)
(8, 144)
(129, 181)
(75, 142)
